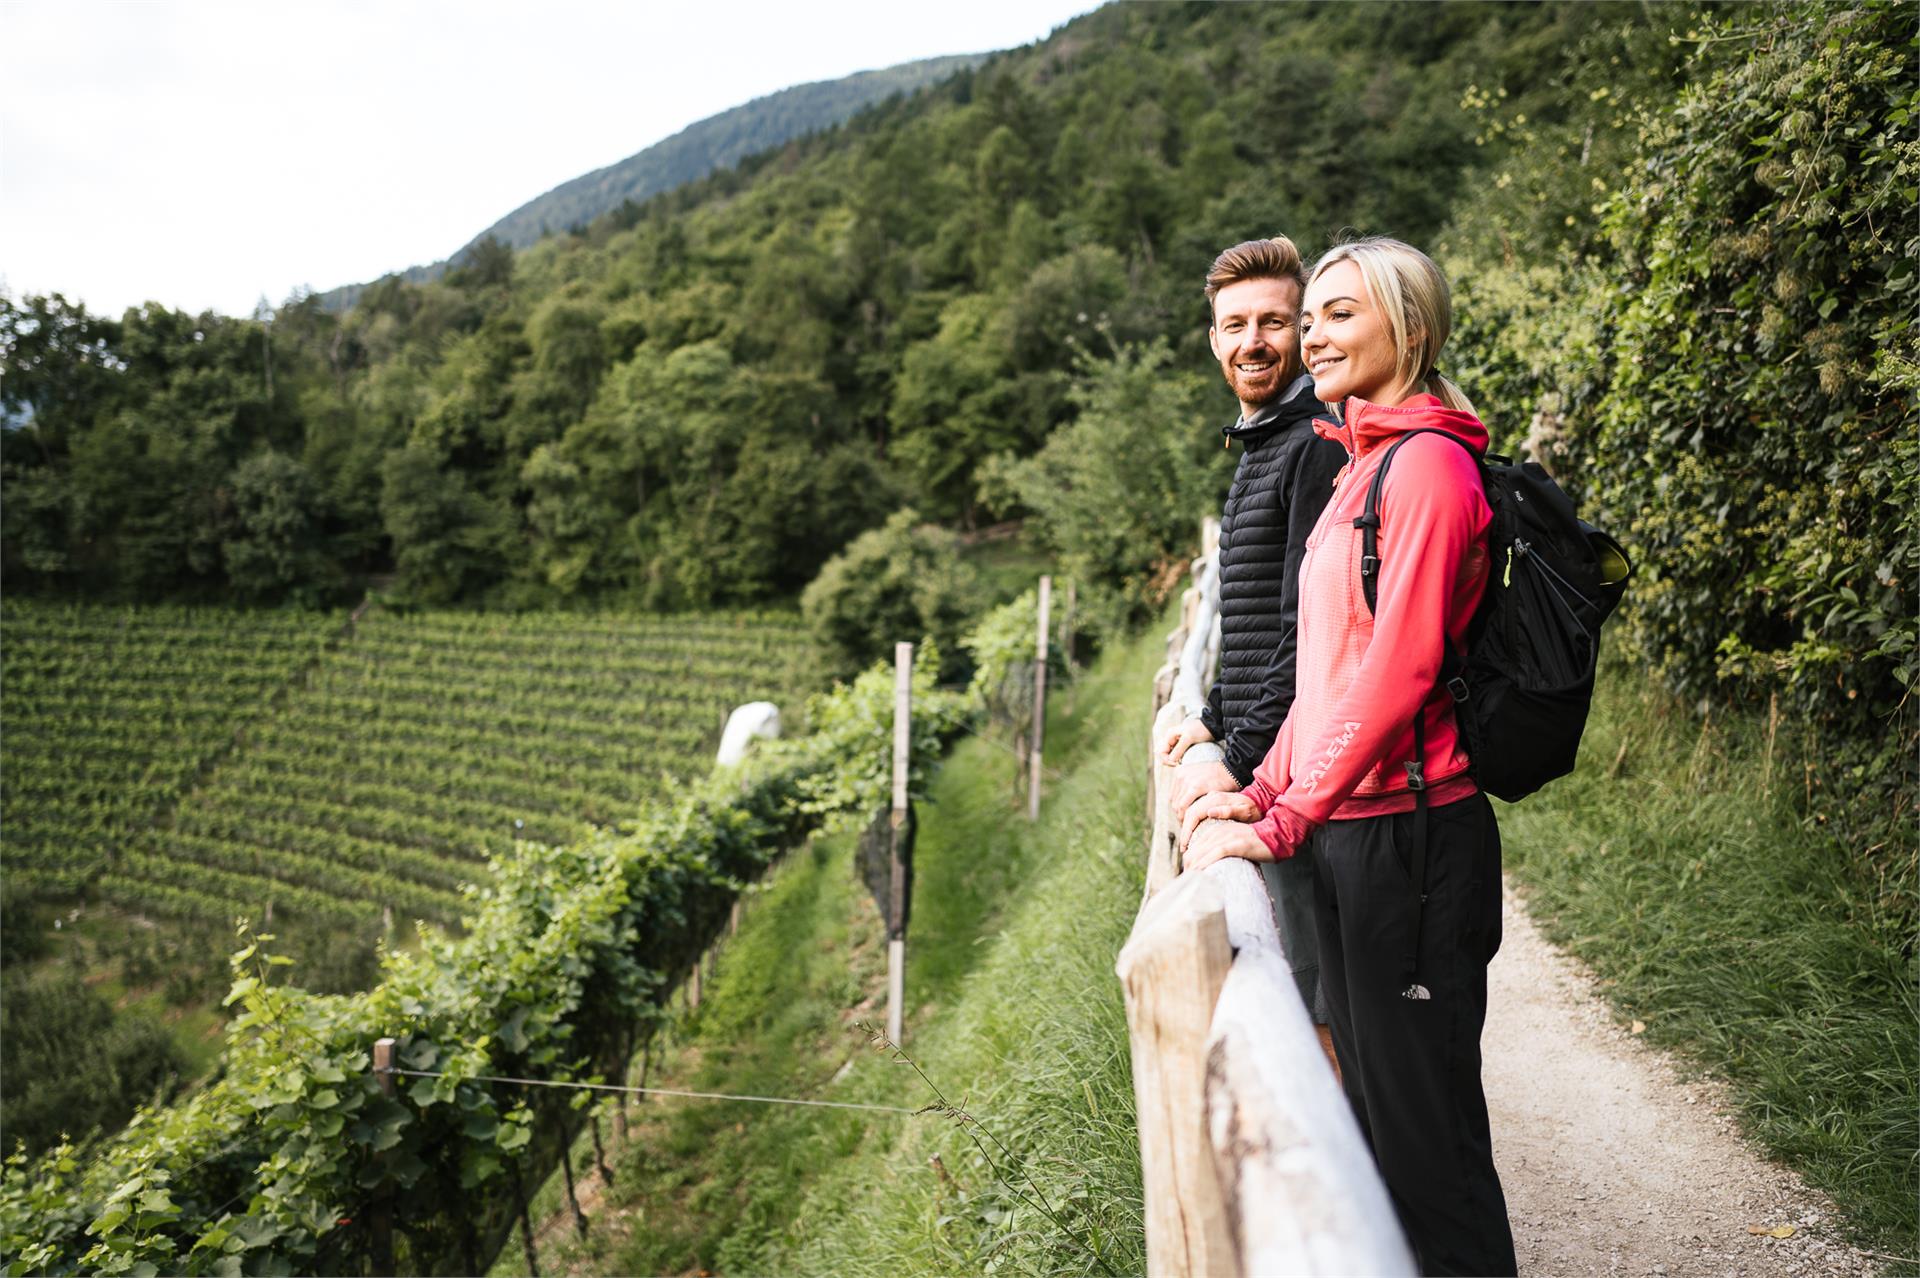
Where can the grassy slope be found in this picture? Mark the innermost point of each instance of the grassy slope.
(1683, 876)
(1015, 1014)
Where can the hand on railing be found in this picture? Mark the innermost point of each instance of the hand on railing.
(1195, 781)
(1219, 825)
(1191, 732)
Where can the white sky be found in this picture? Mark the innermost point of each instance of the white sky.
(206, 153)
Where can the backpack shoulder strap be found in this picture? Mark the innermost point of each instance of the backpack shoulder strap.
(1368, 521)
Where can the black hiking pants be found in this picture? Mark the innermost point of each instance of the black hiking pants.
(1411, 1067)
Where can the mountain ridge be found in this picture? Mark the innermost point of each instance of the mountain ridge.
(705, 146)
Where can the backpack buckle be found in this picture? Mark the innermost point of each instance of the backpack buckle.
(1457, 689)
(1416, 775)
(1369, 565)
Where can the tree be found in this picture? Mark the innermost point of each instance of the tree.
(903, 581)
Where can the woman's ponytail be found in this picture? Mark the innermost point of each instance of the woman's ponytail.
(1443, 389)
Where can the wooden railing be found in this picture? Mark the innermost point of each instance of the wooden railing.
(1252, 1162)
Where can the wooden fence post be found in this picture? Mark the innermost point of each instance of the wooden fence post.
(1039, 699)
(380, 1217)
(1172, 969)
(896, 872)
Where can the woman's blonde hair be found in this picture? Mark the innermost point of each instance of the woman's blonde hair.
(1413, 295)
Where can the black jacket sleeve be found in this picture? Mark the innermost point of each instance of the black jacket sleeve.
(1305, 486)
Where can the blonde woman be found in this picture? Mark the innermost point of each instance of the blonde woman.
(1368, 776)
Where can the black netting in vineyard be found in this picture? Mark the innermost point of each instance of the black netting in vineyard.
(876, 868)
(1012, 700)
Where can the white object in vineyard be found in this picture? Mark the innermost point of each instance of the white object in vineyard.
(754, 719)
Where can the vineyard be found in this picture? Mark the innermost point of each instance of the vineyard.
(111, 715)
(200, 765)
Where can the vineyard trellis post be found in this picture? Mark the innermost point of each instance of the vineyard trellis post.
(380, 1215)
(1039, 699)
(526, 1219)
(600, 1152)
(897, 875)
(1066, 628)
(566, 1168)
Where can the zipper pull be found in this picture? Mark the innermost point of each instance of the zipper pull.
(1506, 581)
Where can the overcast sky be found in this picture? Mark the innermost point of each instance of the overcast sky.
(206, 153)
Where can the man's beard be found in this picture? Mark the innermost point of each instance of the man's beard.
(1261, 388)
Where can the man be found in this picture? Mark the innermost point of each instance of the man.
(1285, 476)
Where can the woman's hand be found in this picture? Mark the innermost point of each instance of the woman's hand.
(1194, 781)
(1220, 840)
(1190, 733)
(1216, 807)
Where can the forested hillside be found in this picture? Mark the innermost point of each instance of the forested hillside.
(1685, 267)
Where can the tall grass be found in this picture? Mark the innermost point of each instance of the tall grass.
(1674, 861)
(1029, 1038)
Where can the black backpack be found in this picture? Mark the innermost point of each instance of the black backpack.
(1522, 689)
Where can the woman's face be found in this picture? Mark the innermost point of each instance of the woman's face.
(1346, 342)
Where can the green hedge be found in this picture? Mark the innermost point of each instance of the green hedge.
(1727, 377)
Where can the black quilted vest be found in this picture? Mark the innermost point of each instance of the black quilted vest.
(1283, 481)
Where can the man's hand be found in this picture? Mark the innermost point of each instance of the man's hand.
(1192, 780)
(1190, 733)
(1216, 807)
(1220, 840)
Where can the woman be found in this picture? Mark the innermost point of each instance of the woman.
(1368, 776)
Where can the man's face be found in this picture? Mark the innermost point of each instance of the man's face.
(1256, 339)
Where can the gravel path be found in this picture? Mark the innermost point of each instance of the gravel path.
(1613, 1162)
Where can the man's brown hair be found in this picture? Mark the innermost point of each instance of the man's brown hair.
(1272, 259)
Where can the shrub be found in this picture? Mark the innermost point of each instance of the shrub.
(902, 581)
(1731, 387)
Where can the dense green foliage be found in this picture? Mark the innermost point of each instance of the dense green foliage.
(1727, 371)
(568, 953)
(72, 1066)
(1116, 490)
(702, 399)
(903, 578)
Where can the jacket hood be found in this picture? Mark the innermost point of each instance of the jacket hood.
(1290, 407)
(1364, 426)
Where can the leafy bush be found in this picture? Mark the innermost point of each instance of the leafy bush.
(71, 1064)
(1732, 387)
(903, 581)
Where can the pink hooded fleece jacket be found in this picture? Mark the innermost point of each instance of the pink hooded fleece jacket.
(1361, 675)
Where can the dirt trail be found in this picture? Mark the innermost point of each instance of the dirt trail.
(1615, 1164)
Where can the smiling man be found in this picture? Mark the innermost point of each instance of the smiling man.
(1285, 476)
